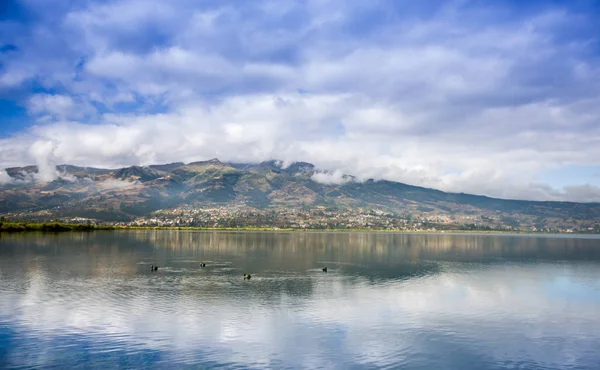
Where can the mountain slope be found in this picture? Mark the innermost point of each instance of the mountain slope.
(126, 193)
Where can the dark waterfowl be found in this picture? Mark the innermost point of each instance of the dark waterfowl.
(247, 276)
(203, 265)
(153, 268)
(324, 269)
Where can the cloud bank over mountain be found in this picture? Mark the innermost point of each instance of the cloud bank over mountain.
(462, 96)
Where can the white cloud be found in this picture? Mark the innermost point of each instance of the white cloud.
(582, 193)
(329, 178)
(456, 100)
(4, 178)
(262, 127)
(43, 152)
(58, 107)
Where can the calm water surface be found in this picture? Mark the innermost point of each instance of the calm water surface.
(410, 301)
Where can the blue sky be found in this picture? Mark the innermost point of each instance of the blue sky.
(498, 98)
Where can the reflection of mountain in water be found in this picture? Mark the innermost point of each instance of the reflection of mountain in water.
(294, 258)
(385, 295)
(373, 247)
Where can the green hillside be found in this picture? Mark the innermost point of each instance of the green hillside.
(127, 193)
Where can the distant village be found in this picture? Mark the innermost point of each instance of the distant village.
(321, 217)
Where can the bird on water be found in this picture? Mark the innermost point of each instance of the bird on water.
(324, 269)
(247, 276)
(153, 268)
(203, 264)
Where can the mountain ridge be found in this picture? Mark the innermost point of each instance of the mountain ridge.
(138, 191)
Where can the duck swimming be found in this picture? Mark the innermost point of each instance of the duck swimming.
(203, 265)
(324, 269)
(153, 268)
(247, 276)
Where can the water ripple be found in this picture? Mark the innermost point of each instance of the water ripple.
(410, 303)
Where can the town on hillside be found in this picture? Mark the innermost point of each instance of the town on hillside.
(323, 218)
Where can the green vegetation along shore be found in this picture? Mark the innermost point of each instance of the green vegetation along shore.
(9, 227)
(49, 227)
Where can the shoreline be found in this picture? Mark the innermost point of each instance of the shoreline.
(17, 227)
(53, 227)
(382, 231)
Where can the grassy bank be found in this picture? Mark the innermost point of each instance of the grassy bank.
(61, 227)
(9, 227)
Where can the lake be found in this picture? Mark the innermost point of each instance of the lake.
(410, 301)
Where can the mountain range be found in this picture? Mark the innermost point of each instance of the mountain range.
(127, 193)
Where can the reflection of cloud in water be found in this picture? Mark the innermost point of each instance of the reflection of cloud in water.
(374, 311)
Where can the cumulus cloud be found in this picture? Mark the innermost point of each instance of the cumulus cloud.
(582, 193)
(43, 152)
(4, 178)
(451, 98)
(330, 178)
(49, 106)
